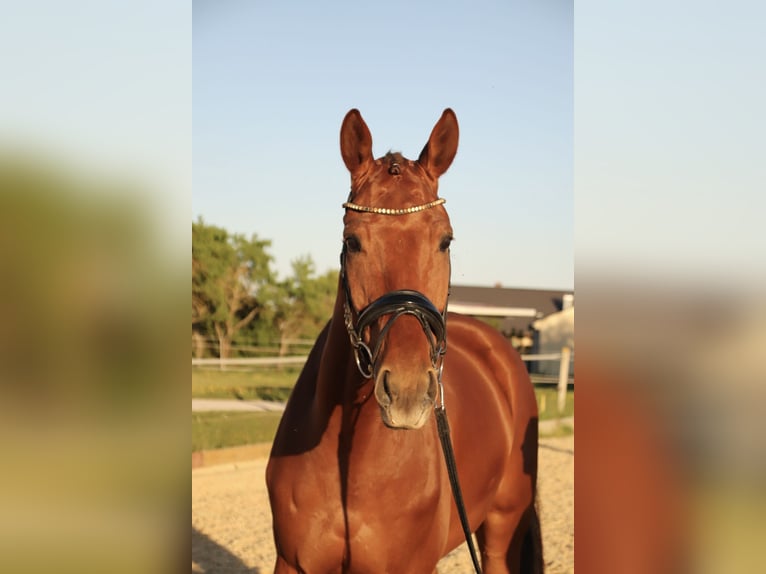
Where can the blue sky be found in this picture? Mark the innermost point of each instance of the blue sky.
(273, 80)
(669, 145)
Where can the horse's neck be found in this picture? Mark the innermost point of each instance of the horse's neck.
(337, 379)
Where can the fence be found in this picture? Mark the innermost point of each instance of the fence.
(250, 361)
(564, 358)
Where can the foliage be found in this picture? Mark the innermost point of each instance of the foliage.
(229, 272)
(304, 302)
(238, 301)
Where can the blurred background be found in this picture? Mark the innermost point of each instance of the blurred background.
(670, 277)
(95, 175)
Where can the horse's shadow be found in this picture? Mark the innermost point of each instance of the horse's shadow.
(213, 558)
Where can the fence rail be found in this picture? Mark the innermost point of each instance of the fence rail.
(252, 361)
(300, 359)
(542, 357)
(564, 357)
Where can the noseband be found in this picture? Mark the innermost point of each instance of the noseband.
(394, 303)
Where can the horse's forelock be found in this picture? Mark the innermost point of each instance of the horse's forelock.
(395, 161)
(374, 188)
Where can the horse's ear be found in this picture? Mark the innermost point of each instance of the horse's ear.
(355, 142)
(441, 148)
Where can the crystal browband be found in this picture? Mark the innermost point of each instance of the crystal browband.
(389, 211)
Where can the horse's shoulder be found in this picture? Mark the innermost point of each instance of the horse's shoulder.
(476, 339)
(467, 331)
(295, 433)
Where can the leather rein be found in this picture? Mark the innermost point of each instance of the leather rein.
(397, 304)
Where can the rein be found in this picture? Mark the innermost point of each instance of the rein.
(434, 324)
(449, 457)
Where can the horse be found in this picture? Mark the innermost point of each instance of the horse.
(356, 477)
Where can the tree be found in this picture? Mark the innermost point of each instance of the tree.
(304, 303)
(229, 272)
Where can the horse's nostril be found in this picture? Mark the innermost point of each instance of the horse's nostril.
(387, 388)
(433, 386)
(383, 390)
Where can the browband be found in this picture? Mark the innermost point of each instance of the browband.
(390, 211)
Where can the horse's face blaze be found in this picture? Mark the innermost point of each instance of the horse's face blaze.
(396, 237)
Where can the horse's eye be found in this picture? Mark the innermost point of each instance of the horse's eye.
(352, 244)
(445, 243)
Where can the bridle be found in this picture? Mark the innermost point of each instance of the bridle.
(397, 304)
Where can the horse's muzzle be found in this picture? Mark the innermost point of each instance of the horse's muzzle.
(405, 403)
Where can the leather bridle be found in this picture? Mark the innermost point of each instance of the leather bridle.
(395, 304)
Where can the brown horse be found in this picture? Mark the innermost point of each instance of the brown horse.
(357, 478)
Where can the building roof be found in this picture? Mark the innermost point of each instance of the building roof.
(519, 307)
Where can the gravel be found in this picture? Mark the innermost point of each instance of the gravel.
(231, 518)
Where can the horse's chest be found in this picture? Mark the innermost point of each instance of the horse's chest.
(379, 521)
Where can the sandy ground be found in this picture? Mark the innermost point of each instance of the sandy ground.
(231, 519)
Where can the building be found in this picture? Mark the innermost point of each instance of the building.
(535, 321)
(554, 332)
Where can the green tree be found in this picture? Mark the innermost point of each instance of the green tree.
(304, 302)
(229, 274)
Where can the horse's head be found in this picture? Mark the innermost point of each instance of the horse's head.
(396, 267)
